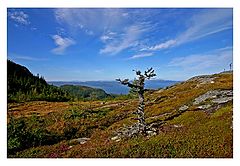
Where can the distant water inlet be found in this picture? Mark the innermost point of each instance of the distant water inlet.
(113, 87)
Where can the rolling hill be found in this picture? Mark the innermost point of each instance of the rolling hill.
(84, 92)
(22, 85)
(192, 119)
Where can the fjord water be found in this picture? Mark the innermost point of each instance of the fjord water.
(113, 87)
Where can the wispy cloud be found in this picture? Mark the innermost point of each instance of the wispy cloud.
(61, 31)
(216, 58)
(107, 36)
(207, 23)
(62, 44)
(142, 55)
(201, 25)
(117, 29)
(106, 25)
(126, 40)
(15, 56)
(166, 44)
(19, 17)
(90, 20)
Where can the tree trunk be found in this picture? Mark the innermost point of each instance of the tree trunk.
(139, 86)
(140, 112)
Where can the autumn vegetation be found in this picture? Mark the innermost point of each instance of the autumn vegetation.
(43, 128)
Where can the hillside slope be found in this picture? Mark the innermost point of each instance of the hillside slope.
(192, 119)
(84, 92)
(24, 86)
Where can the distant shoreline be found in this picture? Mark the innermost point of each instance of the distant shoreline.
(113, 87)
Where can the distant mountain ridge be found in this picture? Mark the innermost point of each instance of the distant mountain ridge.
(113, 87)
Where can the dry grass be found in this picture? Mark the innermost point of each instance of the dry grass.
(189, 134)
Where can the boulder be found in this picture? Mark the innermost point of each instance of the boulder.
(183, 108)
(79, 141)
(116, 138)
(177, 126)
(151, 133)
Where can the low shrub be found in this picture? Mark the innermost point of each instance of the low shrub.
(21, 136)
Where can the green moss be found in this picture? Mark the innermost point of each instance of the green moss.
(223, 111)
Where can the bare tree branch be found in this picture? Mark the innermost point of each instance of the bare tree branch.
(126, 82)
(139, 86)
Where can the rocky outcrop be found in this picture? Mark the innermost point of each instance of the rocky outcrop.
(213, 100)
(222, 100)
(204, 79)
(210, 101)
(215, 96)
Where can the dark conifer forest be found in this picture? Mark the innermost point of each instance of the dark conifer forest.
(22, 85)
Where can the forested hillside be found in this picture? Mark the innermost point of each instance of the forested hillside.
(84, 92)
(22, 85)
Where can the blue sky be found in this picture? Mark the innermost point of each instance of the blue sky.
(105, 44)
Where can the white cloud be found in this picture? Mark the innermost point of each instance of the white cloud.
(126, 40)
(118, 29)
(201, 25)
(90, 20)
(141, 55)
(104, 38)
(19, 17)
(15, 56)
(62, 44)
(205, 24)
(164, 45)
(61, 31)
(100, 22)
(108, 36)
(216, 58)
